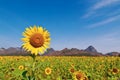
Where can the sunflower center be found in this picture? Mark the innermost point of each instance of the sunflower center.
(78, 76)
(48, 71)
(72, 70)
(115, 70)
(37, 40)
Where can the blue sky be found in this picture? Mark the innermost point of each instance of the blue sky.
(72, 23)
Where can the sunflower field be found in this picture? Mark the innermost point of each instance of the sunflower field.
(59, 68)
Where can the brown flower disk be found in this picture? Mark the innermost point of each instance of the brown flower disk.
(37, 40)
(48, 71)
(115, 70)
(72, 70)
(79, 76)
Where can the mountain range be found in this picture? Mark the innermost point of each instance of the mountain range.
(90, 51)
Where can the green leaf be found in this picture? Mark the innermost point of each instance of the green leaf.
(24, 74)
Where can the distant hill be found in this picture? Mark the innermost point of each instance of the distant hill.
(13, 51)
(89, 51)
(75, 52)
(50, 50)
(113, 54)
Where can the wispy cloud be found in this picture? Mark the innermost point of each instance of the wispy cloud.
(104, 22)
(101, 4)
(116, 12)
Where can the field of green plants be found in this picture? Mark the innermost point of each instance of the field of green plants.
(59, 68)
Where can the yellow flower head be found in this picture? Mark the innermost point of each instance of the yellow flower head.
(36, 40)
(48, 71)
(115, 70)
(21, 67)
(79, 76)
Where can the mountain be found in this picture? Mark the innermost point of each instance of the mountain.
(64, 52)
(2, 51)
(91, 49)
(13, 51)
(48, 51)
(76, 52)
(113, 54)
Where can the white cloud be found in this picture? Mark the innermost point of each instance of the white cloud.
(101, 4)
(88, 14)
(104, 22)
(116, 12)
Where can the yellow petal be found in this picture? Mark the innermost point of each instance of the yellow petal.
(35, 29)
(46, 46)
(25, 39)
(47, 40)
(47, 43)
(40, 30)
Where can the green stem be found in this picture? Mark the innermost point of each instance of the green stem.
(33, 66)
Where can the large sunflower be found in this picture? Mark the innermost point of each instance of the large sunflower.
(36, 39)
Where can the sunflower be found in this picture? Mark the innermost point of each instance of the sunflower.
(48, 71)
(115, 70)
(21, 67)
(79, 76)
(36, 39)
(71, 70)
